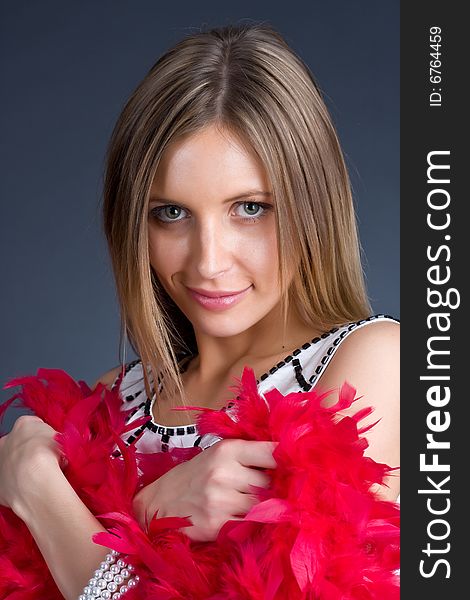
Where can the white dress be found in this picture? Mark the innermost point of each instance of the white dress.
(299, 371)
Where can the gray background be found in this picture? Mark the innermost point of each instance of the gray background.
(67, 69)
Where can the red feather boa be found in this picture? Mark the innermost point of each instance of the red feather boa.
(318, 533)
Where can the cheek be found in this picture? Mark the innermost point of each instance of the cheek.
(166, 256)
(260, 249)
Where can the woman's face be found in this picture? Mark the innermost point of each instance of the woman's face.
(212, 227)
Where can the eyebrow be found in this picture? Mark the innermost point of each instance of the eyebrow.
(246, 194)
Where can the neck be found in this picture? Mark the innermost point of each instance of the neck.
(266, 340)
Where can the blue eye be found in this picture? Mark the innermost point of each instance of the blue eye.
(170, 213)
(248, 207)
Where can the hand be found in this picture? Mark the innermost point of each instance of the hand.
(210, 489)
(27, 455)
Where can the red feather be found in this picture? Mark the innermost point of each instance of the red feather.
(317, 532)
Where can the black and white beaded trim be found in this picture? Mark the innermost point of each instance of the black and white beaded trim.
(165, 432)
(332, 348)
(127, 368)
(299, 376)
(120, 378)
(290, 358)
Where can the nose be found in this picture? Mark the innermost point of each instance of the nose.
(211, 249)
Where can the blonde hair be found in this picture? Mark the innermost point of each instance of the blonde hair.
(244, 79)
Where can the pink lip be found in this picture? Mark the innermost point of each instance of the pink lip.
(217, 300)
(216, 294)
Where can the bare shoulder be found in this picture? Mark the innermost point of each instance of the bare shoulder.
(368, 353)
(369, 360)
(108, 378)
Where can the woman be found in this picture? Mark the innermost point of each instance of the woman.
(231, 228)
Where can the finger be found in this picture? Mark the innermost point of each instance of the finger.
(253, 477)
(243, 503)
(240, 517)
(256, 454)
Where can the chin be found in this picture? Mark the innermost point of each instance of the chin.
(221, 330)
(224, 326)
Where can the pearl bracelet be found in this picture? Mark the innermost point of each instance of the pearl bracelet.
(109, 581)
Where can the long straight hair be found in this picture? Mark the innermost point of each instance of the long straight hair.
(244, 79)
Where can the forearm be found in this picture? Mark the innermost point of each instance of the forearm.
(62, 527)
